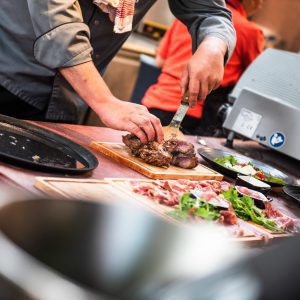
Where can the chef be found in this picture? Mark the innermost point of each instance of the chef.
(53, 54)
(175, 49)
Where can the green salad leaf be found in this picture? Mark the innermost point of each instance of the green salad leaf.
(245, 209)
(274, 179)
(261, 175)
(190, 206)
(226, 159)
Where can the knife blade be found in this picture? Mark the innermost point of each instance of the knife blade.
(172, 130)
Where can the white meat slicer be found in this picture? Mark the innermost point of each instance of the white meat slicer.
(266, 103)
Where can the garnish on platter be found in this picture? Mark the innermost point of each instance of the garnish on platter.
(270, 218)
(247, 168)
(214, 201)
(192, 207)
(259, 198)
(191, 199)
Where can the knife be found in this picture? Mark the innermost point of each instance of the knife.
(172, 130)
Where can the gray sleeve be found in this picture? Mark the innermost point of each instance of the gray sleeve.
(62, 39)
(206, 18)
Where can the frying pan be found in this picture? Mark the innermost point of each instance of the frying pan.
(91, 248)
(64, 249)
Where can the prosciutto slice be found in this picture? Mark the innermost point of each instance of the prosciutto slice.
(168, 192)
(283, 221)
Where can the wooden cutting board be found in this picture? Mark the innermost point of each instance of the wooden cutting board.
(116, 190)
(104, 191)
(119, 153)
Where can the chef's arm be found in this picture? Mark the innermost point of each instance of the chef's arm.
(113, 112)
(213, 36)
(63, 43)
(62, 39)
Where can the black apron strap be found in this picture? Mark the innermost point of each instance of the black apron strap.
(12, 106)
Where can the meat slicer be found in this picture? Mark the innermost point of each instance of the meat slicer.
(266, 103)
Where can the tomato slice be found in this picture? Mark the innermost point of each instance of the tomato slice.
(191, 211)
(260, 175)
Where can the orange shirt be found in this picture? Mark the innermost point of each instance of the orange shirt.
(176, 49)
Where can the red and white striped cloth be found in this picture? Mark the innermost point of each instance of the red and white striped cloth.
(120, 12)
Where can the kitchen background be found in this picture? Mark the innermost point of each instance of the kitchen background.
(279, 20)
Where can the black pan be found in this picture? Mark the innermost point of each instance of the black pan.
(114, 249)
(210, 154)
(30, 146)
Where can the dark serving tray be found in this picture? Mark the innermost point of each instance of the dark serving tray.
(209, 154)
(292, 191)
(30, 146)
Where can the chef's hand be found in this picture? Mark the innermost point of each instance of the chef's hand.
(114, 113)
(131, 117)
(205, 70)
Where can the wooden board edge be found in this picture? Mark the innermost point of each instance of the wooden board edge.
(99, 146)
(44, 185)
(115, 179)
(86, 180)
(269, 232)
(279, 236)
(119, 158)
(187, 177)
(47, 188)
(152, 206)
(252, 241)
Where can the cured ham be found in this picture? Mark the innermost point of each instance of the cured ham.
(168, 192)
(282, 220)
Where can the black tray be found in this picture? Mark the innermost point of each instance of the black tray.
(30, 146)
(292, 191)
(210, 154)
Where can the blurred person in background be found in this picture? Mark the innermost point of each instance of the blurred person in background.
(163, 98)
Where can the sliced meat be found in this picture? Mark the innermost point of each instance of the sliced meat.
(176, 152)
(169, 191)
(282, 220)
(185, 162)
(179, 146)
(133, 143)
(154, 154)
(156, 192)
(230, 217)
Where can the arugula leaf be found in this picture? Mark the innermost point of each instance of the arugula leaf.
(245, 209)
(190, 206)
